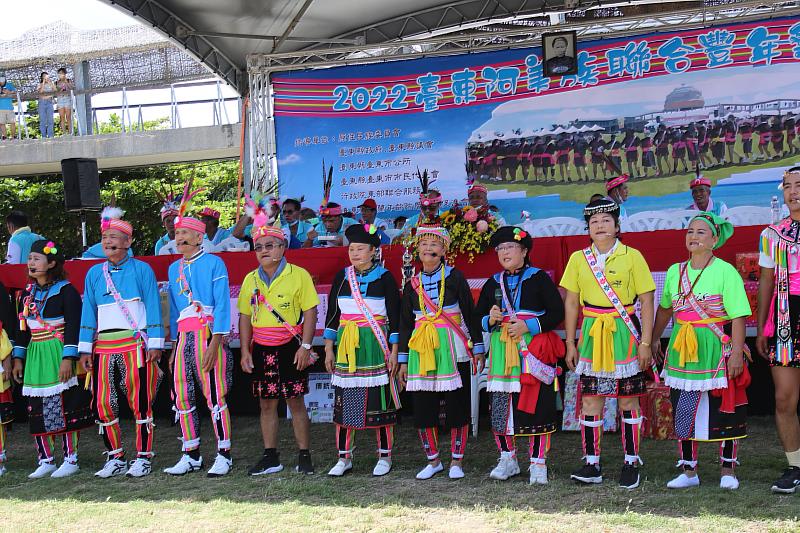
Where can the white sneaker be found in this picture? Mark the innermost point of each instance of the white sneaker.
(113, 467)
(382, 467)
(456, 472)
(2, 469)
(506, 467)
(140, 467)
(684, 482)
(538, 474)
(45, 469)
(728, 482)
(185, 465)
(342, 467)
(222, 465)
(430, 471)
(67, 468)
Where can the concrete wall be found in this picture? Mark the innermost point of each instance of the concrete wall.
(43, 156)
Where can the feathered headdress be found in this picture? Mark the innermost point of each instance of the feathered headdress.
(618, 179)
(111, 218)
(699, 180)
(327, 184)
(169, 203)
(425, 197)
(263, 226)
(182, 220)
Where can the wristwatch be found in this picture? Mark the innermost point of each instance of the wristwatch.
(306, 346)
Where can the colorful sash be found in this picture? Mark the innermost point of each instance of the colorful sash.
(606, 287)
(784, 348)
(697, 307)
(123, 307)
(259, 298)
(454, 327)
(358, 298)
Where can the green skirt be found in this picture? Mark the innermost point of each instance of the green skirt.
(370, 363)
(706, 374)
(42, 364)
(445, 377)
(498, 380)
(626, 362)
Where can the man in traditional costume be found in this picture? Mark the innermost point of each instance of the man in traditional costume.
(704, 367)
(200, 320)
(277, 320)
(700, 187)
(613, 351)
(778, 338)
(120, 342)
(363, 319)
(436, 356)
(519, 307)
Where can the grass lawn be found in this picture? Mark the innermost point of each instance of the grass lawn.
(359, 502)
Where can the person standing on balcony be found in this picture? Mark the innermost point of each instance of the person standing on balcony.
(19, 245)
(7, 94)
(46, 89)
(64, 100)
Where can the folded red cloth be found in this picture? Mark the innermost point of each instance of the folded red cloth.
(735, 394)
(547, 347)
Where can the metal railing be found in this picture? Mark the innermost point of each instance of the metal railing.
(131, 115)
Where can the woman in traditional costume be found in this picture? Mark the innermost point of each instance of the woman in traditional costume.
(519, 307)
(46, 361)
(704, 367)
(606, 279)
(436, 356)
(363, 320)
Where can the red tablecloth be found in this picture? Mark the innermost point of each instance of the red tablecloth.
(660, 248)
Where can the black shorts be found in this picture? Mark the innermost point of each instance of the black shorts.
(275, 375)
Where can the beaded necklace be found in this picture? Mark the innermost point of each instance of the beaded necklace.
(422, 307)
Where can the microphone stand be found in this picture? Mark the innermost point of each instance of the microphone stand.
(83, 230)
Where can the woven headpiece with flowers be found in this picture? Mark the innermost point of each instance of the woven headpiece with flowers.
(433, 230)
(258, 210)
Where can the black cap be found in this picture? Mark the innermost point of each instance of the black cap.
(39, 246)
(359, 233)
(511, 234)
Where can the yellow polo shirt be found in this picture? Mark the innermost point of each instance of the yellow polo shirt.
(625, 269)
(291, 293)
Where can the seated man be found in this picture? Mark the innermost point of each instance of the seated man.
(701, 194)
(329, 232)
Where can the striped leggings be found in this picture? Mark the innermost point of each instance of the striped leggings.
(187, 371)
(46, 443)
(119, 372)
(538, 446)
(384, 436)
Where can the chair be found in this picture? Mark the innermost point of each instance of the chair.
(558, 226)
(748, 215)
(651, 221)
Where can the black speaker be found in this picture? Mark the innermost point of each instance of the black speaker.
(81, 184)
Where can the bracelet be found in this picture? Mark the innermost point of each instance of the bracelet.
(644, 344)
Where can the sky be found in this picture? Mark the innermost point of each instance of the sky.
(93, 15)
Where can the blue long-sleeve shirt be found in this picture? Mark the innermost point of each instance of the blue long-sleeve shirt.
(136, 283)
(207, 278)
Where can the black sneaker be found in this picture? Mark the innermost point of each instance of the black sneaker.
(304, 463)
(268, 464)
(788, 482)
(588, 474)
(629, 477)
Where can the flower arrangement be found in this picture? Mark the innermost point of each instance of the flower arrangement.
(469, 228)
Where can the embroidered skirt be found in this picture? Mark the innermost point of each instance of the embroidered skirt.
(275, 375)
(626, 363)
(794, 321)
(53, 407)
(508, 419)
(707, 373)
(369, 369)
(698, 417)
(446, 376)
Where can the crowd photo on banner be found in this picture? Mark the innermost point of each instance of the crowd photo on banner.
(411, 200)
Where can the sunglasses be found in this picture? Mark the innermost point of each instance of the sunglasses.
(267, 247)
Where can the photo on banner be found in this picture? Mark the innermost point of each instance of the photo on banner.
(723, 98)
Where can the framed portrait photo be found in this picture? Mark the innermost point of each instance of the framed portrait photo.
(559, 53)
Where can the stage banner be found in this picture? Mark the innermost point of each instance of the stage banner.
(724, 99)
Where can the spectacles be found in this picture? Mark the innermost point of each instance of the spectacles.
(267, 247)
(507, 247)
